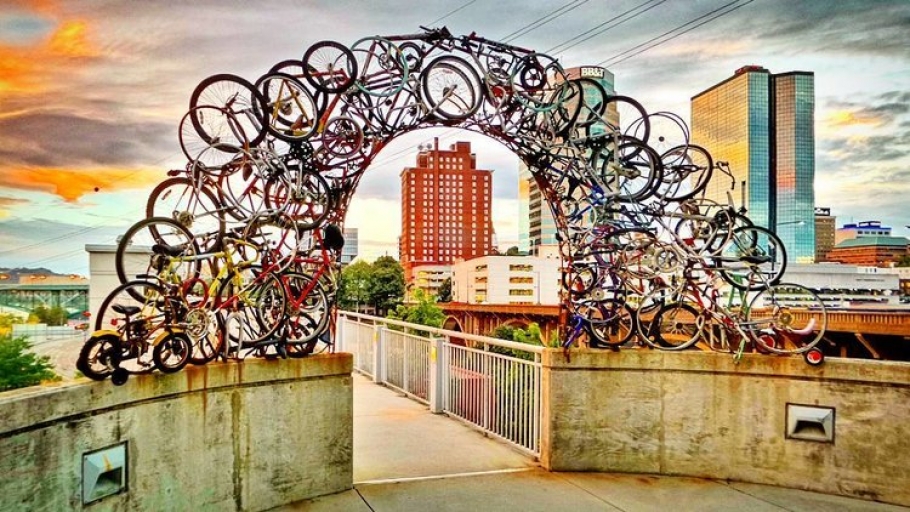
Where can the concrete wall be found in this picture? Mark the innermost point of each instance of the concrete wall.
(699, 414)
(234, 436)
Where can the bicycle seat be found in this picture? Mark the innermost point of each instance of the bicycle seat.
(167, 250)
(333, 238)
(125, 310)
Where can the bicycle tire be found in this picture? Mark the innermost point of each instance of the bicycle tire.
(539, 82)
(615, 328)
(451, 88)
(142, 236)
(626, 115)
(210, 138)
(771, 309)
(307, 198)
(690, 163)
(381, 68)
(148, 296)
(292, 114)
(634, 174)
(342, 137)
(95, 356)
(189, 203)
(674, 326)
(260, 315)
(752, 241)
(172, 353)
(330, 66)
(308, 309)
(227, 91)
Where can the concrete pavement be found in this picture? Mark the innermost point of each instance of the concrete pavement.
(407, 459)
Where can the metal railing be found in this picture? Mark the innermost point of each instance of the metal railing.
(491, 384)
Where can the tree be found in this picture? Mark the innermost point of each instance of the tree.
(55, 315)
(354, 285)
(531, 336)
(424, 311)
(513, 251)
(386, 284)
(19, 367)
(445, 291)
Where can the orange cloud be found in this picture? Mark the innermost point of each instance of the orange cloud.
(71, 184)
(71, 40)
(29, 69)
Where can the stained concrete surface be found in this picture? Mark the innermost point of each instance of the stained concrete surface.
(407, 459)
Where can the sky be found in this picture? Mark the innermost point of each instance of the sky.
(92, 92)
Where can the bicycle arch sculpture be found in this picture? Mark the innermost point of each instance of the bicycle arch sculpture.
(238, 249)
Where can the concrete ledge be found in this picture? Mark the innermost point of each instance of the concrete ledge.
(699, 414)
(232, 436)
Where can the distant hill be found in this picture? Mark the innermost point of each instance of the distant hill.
(11, 275)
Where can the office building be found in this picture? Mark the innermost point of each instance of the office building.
(824, 232)
(872, 251)
(536, 226)
(445, 208)
(763, 125)
(506, 280)
(861, 229)
(351, 243)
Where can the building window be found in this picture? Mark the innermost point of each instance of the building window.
(521, 268)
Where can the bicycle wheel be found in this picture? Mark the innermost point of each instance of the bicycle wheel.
(172, 352)
(237, 97)
(97, 356)
(687, 170)
(202, 329)
(260, 307)
(382, 69)
(189, 203)
(539, 82)
(753, 259)
(330, 66)
(210, 137)
(141, 299)
(787, 318)
(613, 324)
(451, 88)
(674, 326)
(342, 137)
(308, 309)
(291, 113)
(243, 192)
(135, 252)
(307, 197)
(633, 173)
(626, 115)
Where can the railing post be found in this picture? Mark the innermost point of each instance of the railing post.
(378, 349)
(340, 320)
(437, 374)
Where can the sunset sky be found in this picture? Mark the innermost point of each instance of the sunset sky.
(92, 91)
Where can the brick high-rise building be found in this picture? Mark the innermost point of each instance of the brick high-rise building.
(824, 233)
(445, 208)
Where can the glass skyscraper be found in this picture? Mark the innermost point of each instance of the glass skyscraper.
(535, 220)
(763, 125)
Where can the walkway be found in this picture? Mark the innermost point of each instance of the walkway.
(406, 459)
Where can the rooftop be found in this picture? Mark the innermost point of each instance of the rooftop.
(878, 241)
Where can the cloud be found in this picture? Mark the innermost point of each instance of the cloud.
(7, 202)
(63, 139)
(72, 184)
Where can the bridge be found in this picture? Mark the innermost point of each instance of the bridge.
(499, 426)
(859, 332)
(28, 296)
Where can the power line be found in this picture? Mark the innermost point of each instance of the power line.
(580, 38)
(534, 25)
(444, 16)
(645, 46)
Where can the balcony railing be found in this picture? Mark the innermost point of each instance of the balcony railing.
(491, 384)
